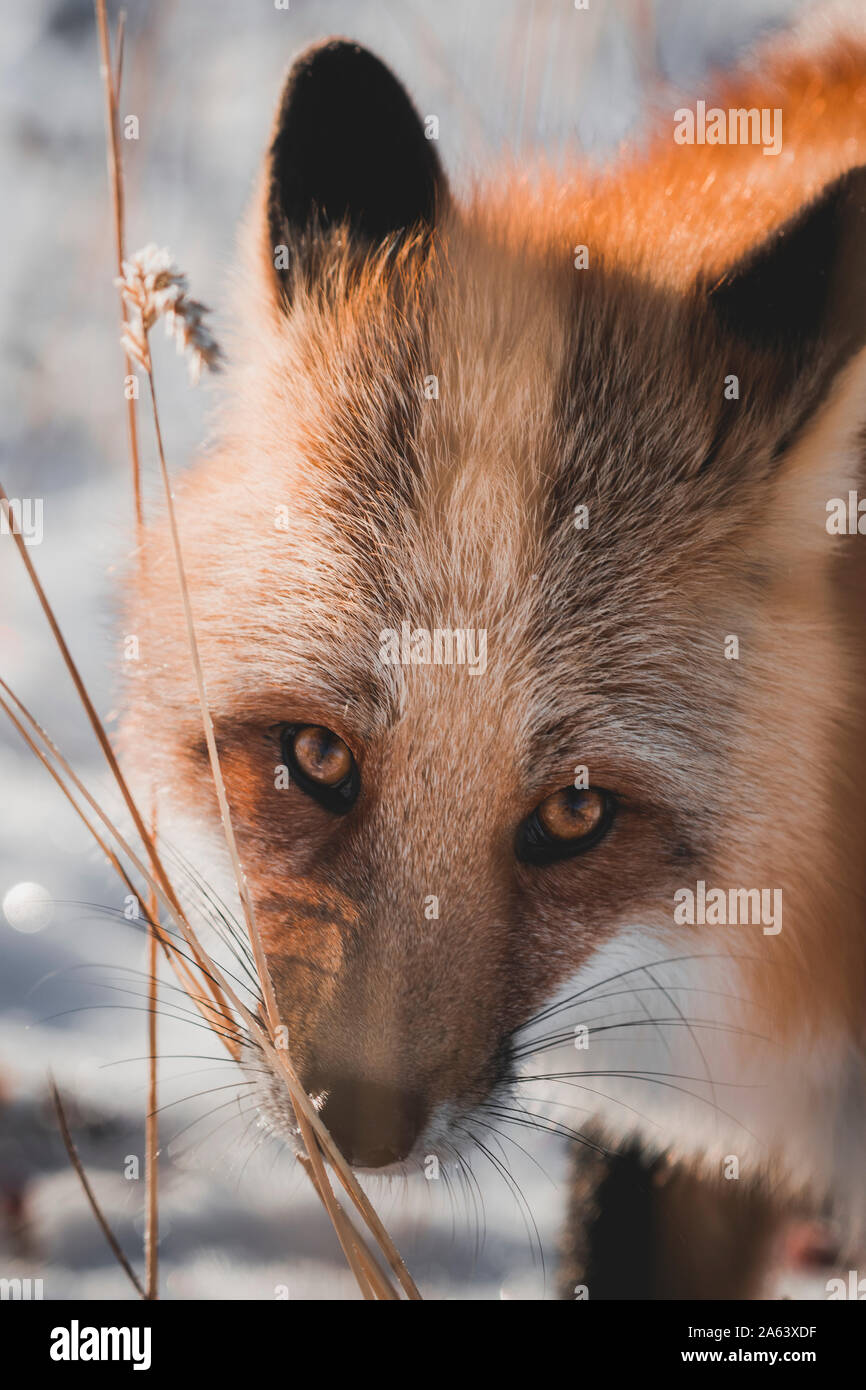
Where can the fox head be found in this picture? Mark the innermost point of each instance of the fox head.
(448, 434)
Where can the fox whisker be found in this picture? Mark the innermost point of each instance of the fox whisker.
(501, 1167)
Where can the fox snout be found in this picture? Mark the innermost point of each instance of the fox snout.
(394, 1054)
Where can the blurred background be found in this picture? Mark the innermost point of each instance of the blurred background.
(202, 77)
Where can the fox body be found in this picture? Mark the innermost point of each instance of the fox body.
(617, 467)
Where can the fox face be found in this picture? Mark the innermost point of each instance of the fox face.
(444, 437)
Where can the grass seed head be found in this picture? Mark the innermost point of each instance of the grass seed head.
(153, 288)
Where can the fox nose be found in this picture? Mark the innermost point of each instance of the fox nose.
(373, 1125)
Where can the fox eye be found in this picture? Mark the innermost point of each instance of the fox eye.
(322, 765)
(569, 822)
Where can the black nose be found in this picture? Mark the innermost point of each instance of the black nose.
(373, 1125)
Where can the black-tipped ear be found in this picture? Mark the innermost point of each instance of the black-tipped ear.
(348, 146)
(803, 291)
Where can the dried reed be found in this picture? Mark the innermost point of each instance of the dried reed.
(111, 87)
(88, 1190)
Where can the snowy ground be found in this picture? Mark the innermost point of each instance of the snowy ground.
(202, 75)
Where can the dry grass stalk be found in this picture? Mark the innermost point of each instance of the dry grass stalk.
(88, 1192)
(303, 1105)
(111, 87)
(151, 1123)
(301, 1102)
(118, 62)
(316, 1172)
(207, 724)
(115, 176)
(380, 1288)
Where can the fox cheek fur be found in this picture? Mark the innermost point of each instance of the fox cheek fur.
(557, 389)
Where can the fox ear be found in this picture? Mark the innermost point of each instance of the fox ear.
(801, 295)
(347, 147)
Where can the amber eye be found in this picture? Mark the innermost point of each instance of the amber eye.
(569, 822)
(322, 765)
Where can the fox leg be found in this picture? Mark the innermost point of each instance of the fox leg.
(641, 1227)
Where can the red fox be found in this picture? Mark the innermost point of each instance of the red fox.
(532, 632)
